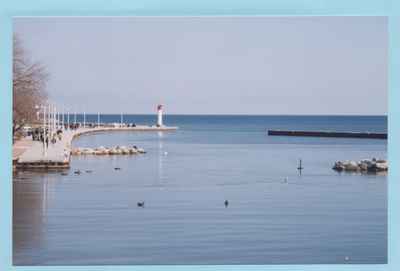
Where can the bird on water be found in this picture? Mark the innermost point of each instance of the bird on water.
(286, 180)
(226, 203)
(140, 204)
(117, 168)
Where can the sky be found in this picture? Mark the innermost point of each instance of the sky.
(213, 65)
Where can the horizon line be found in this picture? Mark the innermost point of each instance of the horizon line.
(234, 114)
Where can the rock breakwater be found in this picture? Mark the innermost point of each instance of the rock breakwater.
(366, 165)
(118, 150)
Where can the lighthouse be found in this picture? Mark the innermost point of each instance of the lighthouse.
(159, 115)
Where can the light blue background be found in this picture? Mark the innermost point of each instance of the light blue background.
(9, 8)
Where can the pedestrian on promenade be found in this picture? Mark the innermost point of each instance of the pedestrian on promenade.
(53, 139)
(65, 154)
(59, 134)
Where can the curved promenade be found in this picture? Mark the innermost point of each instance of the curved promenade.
(59, 154)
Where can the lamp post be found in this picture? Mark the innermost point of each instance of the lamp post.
(43, 107)
(68, 120)
(44, 132)
(57, 120)
(54, 118)
(51, 118)
(48, 120)
(62, 118)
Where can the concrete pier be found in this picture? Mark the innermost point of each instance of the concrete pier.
(328, 134)
(59, 154)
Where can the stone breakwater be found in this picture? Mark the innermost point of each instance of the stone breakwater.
(365, 165)
(118, 150)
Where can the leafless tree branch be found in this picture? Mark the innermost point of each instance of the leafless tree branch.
(29, 86)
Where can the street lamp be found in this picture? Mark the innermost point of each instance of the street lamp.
(44, 127)
(37, 107)
(68, 119)
(54, 118)
(62, 121)
(57, 119)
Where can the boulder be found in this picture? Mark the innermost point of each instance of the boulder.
(133, 151)
(101, 150)
(363, 166)
(338, 166)
(76, 151)
(124, 150)
(351, 166)
(378, 167)
(86, 151)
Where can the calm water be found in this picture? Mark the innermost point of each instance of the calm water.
(319, 216)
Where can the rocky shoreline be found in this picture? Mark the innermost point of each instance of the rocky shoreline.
(366, 165)
(118, 150)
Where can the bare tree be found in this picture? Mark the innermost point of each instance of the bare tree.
(29, 82)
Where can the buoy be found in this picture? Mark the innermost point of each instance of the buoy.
(300, 166)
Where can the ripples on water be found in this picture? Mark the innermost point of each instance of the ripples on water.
(317, 217)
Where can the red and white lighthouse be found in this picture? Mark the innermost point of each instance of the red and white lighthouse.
(159, 115)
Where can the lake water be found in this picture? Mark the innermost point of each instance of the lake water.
(320, 216)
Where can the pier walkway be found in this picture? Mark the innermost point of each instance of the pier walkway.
(59, 154)
(328, 134)
(20, 146)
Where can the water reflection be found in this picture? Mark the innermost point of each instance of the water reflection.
(161, 155)
(33, 194)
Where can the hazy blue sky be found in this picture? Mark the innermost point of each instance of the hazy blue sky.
(213, 65)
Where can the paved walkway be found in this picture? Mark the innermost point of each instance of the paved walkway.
(20, 146)
(55, 152)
